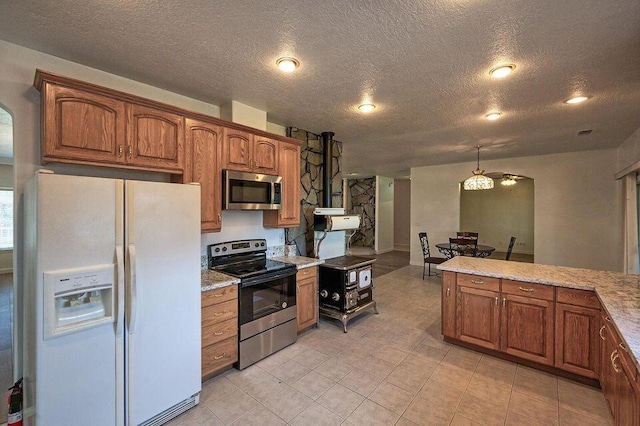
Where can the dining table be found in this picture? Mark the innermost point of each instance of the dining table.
(449, 252)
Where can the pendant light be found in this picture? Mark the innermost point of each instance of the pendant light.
(478, 181)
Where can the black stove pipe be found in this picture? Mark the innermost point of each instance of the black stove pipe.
(327, 173)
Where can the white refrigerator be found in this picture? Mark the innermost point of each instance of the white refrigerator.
(111, 300)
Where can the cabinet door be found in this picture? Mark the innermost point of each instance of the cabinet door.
(307, 303)
(202, 166)
(289, 164)
(81, 127)
(627, 413)
(155, 139)
(527, 328)
(477, 317)
(448, 304)
(577, 341)
(265, 155)
(237, 148)
(607, 374)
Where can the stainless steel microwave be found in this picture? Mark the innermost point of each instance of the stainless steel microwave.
(251, 191)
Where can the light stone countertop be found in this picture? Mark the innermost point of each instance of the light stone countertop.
(301, 262)
(211, 280)
(619, 293)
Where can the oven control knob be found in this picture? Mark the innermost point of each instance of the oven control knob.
(218, 250)
(324, 293)
(284, 305)
(262, 244)
(257, 244)
(335, 297)
(224, 249)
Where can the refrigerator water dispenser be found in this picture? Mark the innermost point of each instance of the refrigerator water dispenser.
(77, 299)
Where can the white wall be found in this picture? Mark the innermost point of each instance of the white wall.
(577, 220)
(18, 96)
(384, 215)
(629, 151)
(6, 181)
(402, 214)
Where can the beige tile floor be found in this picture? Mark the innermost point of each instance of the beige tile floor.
(392, 369)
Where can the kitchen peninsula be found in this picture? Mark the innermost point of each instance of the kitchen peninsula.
(578, 322)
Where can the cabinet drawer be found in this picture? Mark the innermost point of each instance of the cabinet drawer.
(218, 332)
(306, 273)
(219, 295)
(572, 296)
(536, 291)
(479, 281)
(215, 314)
(219, 356)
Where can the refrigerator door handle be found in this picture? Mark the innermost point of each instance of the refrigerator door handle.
(119, 290)
(133, 297)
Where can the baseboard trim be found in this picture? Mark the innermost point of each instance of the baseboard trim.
(6, 271)
(384, 251)
(401, 247)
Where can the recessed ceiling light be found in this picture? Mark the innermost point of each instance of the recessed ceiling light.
(576, 100)
(493, 116)
(367, 107)
(287, 64)
(502, 71)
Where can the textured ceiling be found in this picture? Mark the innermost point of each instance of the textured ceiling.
(424, 63)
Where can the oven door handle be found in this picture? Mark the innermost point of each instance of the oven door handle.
(262, 279)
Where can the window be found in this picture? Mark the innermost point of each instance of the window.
(6, 219)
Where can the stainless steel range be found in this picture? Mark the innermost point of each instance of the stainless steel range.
(266, 299)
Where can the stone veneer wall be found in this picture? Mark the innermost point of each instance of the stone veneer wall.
(311, 186)
(361, 200)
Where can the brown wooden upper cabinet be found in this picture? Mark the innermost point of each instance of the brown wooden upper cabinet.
(81, 127)
(87, 124)
(155, 138)
(289, 215)
(202, 165)
(245, 152)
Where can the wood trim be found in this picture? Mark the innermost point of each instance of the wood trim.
(45, 76)
(629, 169)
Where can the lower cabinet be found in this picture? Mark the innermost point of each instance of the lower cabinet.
(478, 317)
(307, 297)
(618, 377)
(577, 341)
(527, 320)
(219, 330)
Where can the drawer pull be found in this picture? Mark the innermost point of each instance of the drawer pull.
(607, 319)
(448, 291)
(623, 347)
(218, 357)
(496, 300)
(219, 294)
(218, 333)
(217, 314)
(614, 356)
(528, 290)
(477, 281)
(600, 332)
(504, 302)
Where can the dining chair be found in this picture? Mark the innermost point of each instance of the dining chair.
(469, 235)
(510, 249)
(464, 246)
(426, 254)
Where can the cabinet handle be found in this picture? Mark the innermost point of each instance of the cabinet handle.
(623, 347)
(219, 218)
(600, 332)
(219, 294)
(528, 290)
(448, 291)
(607, 319)
(477, 281)
(217, 314)
(218, 333)
(120, 150)
(614, 356)
(218, 357)
(129, 151)
(496, 300)
(504, 302)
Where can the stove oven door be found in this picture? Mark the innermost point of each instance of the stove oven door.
(364, 277)
(263, 296)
